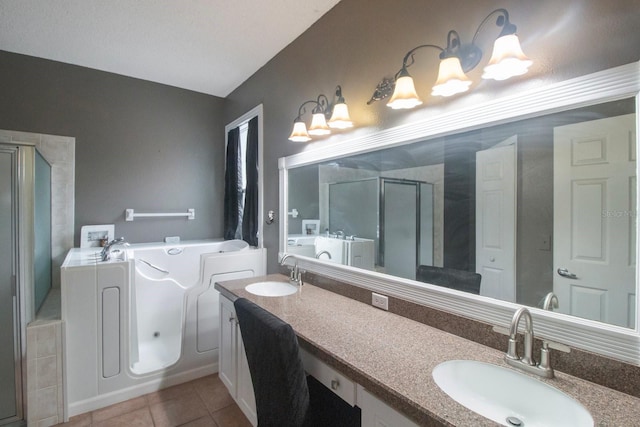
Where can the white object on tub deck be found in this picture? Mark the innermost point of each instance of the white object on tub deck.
(180, 304)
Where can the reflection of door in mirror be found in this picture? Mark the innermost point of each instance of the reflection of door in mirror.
(595, 219)
(496, 220)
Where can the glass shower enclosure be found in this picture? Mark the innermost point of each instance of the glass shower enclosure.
(396, 213)
(25, 267)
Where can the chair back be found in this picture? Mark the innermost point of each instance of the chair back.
(451, 278)
(277, 372)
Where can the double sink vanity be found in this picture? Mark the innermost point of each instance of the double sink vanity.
(404, 373)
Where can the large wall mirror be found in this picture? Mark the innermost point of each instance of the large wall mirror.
(506, 212)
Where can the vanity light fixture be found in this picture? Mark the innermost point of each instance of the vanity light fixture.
(336, 112)
(456, 59)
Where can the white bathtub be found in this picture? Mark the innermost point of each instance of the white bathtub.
(164, 275)
(149, 321)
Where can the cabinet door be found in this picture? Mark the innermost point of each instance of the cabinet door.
(376, 413)
(227, 364)
(246, 399)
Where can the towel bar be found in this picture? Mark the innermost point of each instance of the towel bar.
(130, 214)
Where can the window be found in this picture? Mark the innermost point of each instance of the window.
(243, 179)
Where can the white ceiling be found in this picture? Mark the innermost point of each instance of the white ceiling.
(209, 46)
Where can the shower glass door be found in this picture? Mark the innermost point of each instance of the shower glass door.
(42, 224)
(8, 301)
(406, 226)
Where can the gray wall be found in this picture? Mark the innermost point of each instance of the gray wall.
(152, 147)
(360, 41)
(139, 145)
(305, 202)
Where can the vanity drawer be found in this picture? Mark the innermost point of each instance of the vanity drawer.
(342, 386)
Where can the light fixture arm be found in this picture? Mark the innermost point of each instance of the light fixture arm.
(501, 21)
(338, 95)
(410, 56)
(322, 104)
(303, 110)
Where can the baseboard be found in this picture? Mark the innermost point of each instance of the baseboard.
(150, 386)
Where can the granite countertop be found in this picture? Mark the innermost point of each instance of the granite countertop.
(392, 356)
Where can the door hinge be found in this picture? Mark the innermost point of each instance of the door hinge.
(14, 288)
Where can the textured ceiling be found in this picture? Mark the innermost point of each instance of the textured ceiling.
(208, 46)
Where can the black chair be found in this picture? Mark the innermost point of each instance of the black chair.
(451, 278)
(285, 396)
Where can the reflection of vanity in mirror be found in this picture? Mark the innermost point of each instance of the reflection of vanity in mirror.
(532, 203)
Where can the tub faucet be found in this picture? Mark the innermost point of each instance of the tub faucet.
(526, 362)
(323, 253)
(295, 277)
(550, 302)
(105, 255)
(340, 234)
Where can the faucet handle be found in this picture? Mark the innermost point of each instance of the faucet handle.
(556, 346)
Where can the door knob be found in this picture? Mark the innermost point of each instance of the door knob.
(565, 273)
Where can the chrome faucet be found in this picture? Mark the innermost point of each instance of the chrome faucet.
(323, 253)
(105, 255)
(340, 234)
(526, 362)
(550, 302)
(295, 277)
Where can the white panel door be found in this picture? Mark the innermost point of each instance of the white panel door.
(496, 220)
(594, 249)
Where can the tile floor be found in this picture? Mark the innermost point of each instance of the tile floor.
(204, 402)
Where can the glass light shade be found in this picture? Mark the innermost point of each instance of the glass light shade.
(404, 95)
(340, 118)
(507, 59)
(299, 133)
(319, 125)
(451, 78)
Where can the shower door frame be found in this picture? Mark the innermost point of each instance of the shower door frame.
(382, 211)
(23, 165)
(380, 258)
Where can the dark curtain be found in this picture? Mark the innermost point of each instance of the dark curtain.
(232, 185)
(250, 215)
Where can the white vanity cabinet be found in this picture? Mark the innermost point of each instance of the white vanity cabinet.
(233, 368)
(376, 413)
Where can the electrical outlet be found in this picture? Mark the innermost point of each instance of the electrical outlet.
(380, 301)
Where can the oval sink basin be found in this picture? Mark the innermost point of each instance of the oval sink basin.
(508, 397)
(271, 289)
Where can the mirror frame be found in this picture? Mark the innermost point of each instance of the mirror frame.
(609, 85)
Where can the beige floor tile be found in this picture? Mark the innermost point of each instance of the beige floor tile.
(82, 420)
(139, 418)
(213, 392)
(201, 422)
(231, 416)
(119, 409)
(170, 393)
(187, 407)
